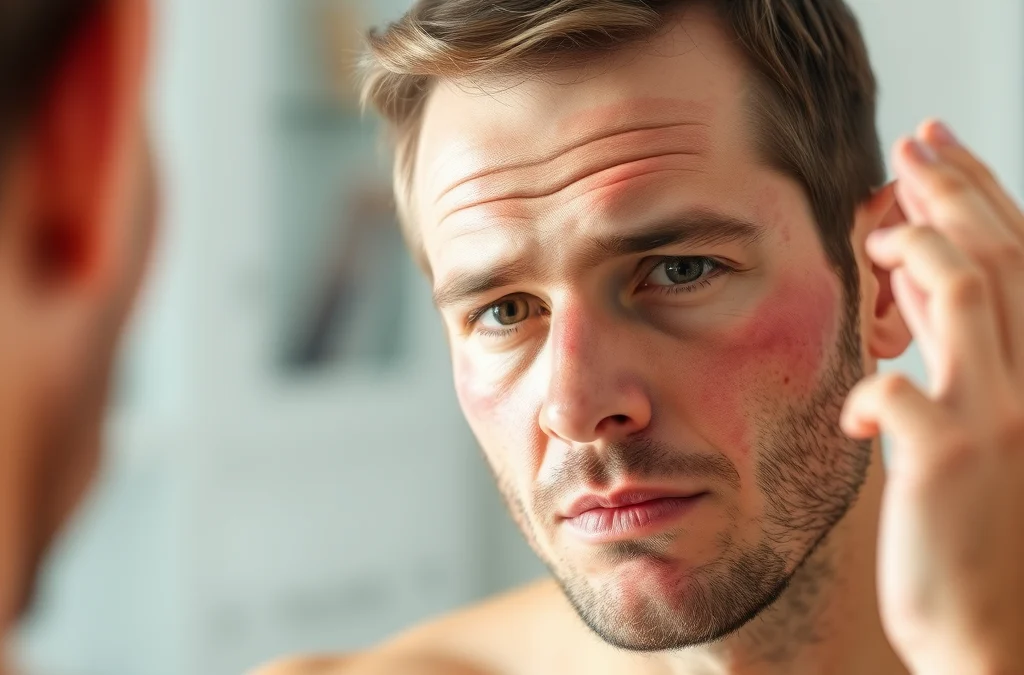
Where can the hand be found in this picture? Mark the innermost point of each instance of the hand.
(951, 549)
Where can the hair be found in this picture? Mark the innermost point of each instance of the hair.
(34, 36)
(812, 91)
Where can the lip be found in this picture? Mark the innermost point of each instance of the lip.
(627, 514)
(621, 498)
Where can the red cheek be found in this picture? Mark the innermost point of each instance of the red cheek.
(775, 355)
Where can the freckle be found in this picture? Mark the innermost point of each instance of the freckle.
(786, 381)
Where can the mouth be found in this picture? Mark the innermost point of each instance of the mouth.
(627, 515)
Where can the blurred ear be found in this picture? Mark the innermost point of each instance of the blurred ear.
(81, 146)
(883, 329)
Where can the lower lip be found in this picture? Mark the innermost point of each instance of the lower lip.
(631, 522)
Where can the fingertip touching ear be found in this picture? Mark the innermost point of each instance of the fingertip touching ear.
(884, 331)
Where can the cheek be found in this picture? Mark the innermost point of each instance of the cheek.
(772, 356)
(477, 397)
(496, 412)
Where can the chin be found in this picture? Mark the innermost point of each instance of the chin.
(652, 602)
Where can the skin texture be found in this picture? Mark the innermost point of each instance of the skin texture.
(738, 389)
(606, 380)
(76, 224)
(556, 202)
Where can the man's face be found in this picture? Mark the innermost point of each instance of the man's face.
(647, 338)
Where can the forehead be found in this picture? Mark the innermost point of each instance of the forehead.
(485, 144)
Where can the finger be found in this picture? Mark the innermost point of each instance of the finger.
(889, 403)
(942, 195)
(1011, 290)
(910, 203)
(950, 150)
(945, 196)
(960, 334)
(913, 307)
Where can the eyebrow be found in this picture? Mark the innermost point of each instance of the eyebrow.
(694, 228)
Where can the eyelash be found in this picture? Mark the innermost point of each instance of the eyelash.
(473, 322)
(717, 269)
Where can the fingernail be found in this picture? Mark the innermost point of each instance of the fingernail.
(943, 135)
(921, 152)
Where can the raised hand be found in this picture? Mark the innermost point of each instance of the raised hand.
(951, 556)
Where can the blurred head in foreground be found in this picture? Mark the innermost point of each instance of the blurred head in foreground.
(644, 227)
(75, 228)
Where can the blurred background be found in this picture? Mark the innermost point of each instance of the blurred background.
(286, 400)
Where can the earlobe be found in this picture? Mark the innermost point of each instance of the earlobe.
(885, 332)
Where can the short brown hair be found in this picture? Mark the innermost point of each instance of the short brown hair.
(813, 94)
(34, 35)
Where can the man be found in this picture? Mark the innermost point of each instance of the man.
(75, 226)
(660, 241)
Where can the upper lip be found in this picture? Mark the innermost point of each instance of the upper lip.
(620, 498)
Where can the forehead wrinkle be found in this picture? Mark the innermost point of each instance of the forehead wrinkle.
(696, 141)
(606, 131)
(596, 160)
(616, 185)
(585, 186)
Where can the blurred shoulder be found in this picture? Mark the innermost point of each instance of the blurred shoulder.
(508, 633)
(370, 663)
(306, 665)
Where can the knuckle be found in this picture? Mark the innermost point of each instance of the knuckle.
(950, 186)
(919, 236)
(983, 171)
(958, 449)
(966, 290)
(1010, 432)
(892, 385)
(1008, 253)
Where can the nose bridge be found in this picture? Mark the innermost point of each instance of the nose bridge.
(593, 391)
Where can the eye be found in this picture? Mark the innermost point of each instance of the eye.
(505, 313)
(682, 271)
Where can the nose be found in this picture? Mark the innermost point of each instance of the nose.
(593, 393)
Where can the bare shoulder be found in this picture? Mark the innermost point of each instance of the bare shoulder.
(528, 617)
(307, 665)
(508, 633)
(370, 664)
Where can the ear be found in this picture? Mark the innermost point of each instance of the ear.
(81, 152)
(883, 329)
